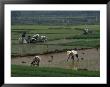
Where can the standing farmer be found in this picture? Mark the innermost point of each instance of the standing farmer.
(24, 37)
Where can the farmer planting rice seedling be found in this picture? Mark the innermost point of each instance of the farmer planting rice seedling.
(55, 43)
(36, 61)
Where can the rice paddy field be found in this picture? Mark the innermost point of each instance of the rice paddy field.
(60, 39)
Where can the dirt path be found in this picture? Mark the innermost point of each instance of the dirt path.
(89, 59)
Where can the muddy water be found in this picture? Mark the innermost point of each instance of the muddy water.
(88, 59)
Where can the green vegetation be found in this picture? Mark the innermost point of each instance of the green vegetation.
(28, 71)
(55, 17)
(65, 31)
(59, 38)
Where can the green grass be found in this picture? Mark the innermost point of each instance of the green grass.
(28, 71)
(23, 27)
(88, 43)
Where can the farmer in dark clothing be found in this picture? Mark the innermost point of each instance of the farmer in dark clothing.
(23, 37)
(23, 34)
(29, 39)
